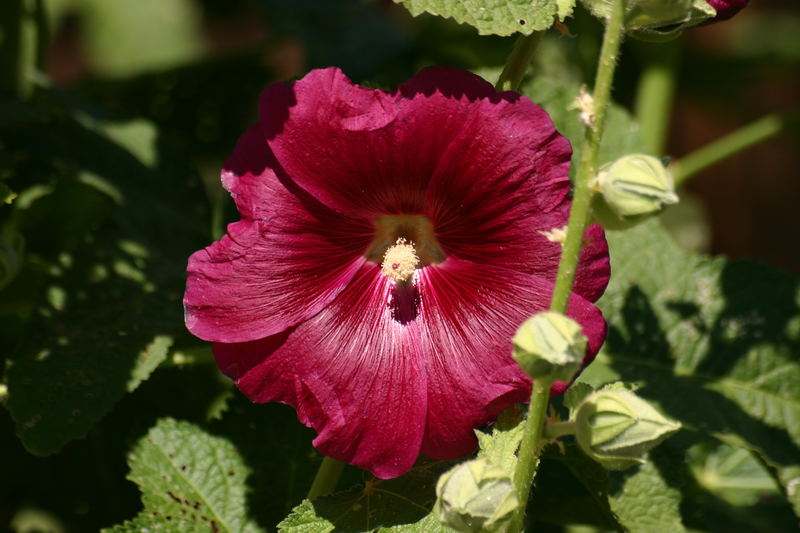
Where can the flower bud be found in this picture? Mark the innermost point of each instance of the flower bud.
(656, 20)
(726, 8)
(632, 188)
(549, 346)
(475, 496)
(616, 428)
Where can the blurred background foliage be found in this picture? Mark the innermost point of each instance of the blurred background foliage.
(109, 179)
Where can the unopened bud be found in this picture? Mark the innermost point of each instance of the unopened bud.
(616, 428)
(549, 346)
(656, 20)
(475, 496)
(632, 188)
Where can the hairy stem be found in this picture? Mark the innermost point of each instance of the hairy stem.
(518, 61)
(527, 457)
(735, 142)
(578, 218)
(326, 479)
(587, 168)
(655, 92)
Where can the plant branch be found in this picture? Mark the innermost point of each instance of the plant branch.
(655, 92)
(528, 455)
(518, 61)
(326, 479)
(587, 169)
(735, 142)
(578, 218)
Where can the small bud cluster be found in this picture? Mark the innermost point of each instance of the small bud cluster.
(475, 496)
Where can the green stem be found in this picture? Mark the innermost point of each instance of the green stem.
(18, 47)
(655, 92)
(518, 61)
(559, 429)
(587, 169)
(578, 218)
(730, 144)
(527, 457)
(326, 479)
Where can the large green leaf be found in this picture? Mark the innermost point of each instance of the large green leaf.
(643, 500)
(714, 342)
(498, 17)
(96, 305)
(190, 481)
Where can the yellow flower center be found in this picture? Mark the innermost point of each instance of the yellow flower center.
(400, 261)
(402, 244)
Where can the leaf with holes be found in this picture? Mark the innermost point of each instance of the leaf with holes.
(495, 17)
(190, 481)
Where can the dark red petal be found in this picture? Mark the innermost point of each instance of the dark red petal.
(263, 277)
(469, 313)
(248, 174)
(445, 127)
(341, 143)
(353, 372)
(594, 268)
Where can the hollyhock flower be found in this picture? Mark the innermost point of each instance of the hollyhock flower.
(389, 246)
(726, 8)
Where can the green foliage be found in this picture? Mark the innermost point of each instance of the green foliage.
(500, 446)
(713, 342)
(190, 481)
(127, 38)
(498, 17)
(643, 499)
(105, 236)
(400, 505)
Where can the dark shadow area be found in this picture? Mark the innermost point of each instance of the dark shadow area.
(687, 398)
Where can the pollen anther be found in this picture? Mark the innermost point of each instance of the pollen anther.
(400, 261)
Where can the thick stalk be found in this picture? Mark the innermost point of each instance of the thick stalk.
(587, 169)
(518, 61)
(579, 214)
(326, 479)
(735, 142)
(655, 92)
(527, 457)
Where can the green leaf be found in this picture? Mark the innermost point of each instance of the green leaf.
(570, 489)
(96, 311)
(189, 480)
(500, 446)
(498, 17)
(714, 342)
(576, 394)
(400, 505)
(731, 473)
(643, 500)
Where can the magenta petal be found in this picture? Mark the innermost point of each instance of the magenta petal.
(341, 143)
(353, 372)
(248, 174)
(469, 313)
(262, 278)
